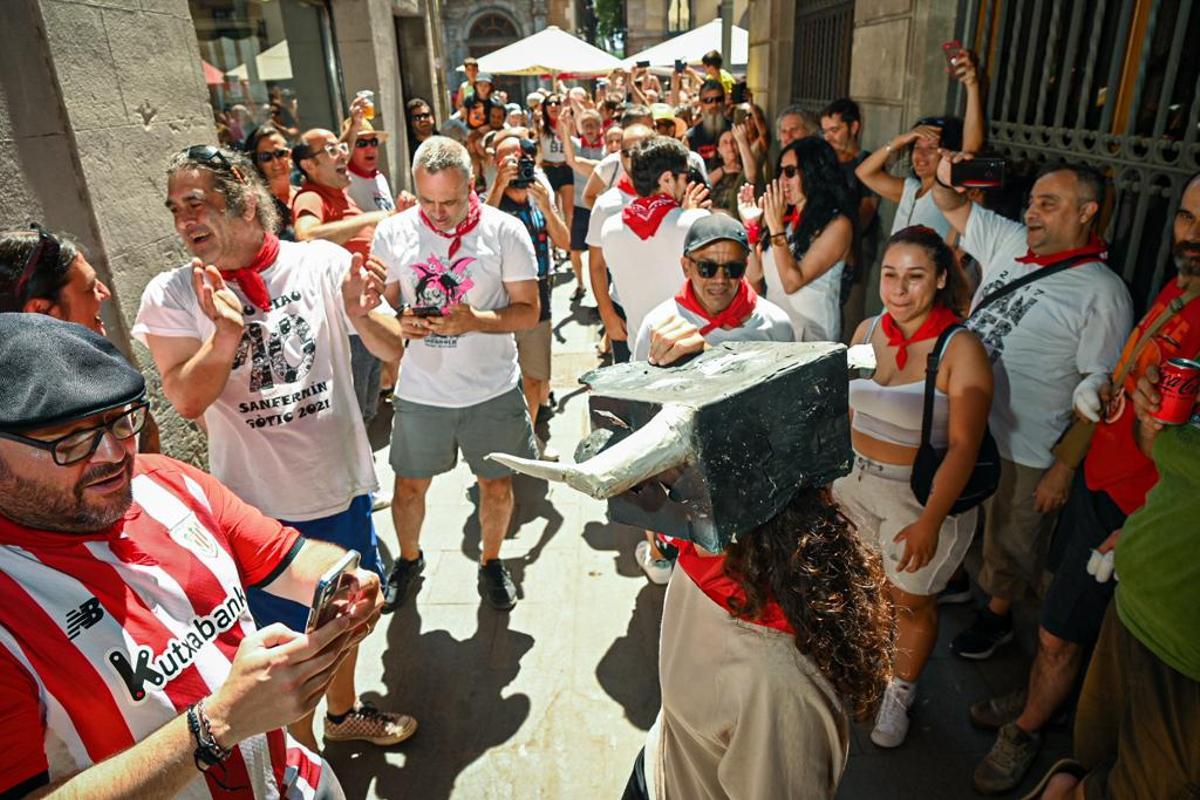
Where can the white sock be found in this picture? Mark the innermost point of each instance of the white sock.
(906, 688)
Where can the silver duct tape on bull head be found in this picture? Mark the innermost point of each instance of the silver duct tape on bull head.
(663, 443)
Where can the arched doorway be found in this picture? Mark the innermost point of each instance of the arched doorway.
(488, 33)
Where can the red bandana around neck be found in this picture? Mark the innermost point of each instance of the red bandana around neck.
(593, 144)
(626, 186)
(362, 173)
(645, 214)
(248, 278)
(940, 318)
(1095, 247)
(734, 315)
(462, 229)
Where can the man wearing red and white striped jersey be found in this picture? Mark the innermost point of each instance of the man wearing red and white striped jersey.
(130, 666)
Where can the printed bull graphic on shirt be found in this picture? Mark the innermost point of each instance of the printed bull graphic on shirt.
(442, 286)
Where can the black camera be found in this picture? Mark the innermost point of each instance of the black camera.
(526, 165)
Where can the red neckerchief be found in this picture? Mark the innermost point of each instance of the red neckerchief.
(708, 573)
(248, 278)
(938, 320)
(597, 142)
(645, 214)
(474, 212)
(1095, 247)
(626, 186)
(736, 313)
(361, 173)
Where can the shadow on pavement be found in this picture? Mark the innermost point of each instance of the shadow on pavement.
(628, 671)
(459, 706)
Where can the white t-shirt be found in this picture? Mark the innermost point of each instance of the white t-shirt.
(921, 210)
(611, 171)
(607, 204)
(465, 370)
(815, 309)
(285, 434)
(1043, 338)
(552, 150)
(371, 194)
(767, 323)
(646, 271)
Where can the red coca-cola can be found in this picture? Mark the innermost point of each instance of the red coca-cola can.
(1178, 384)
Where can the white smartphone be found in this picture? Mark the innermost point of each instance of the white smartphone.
(329, 595)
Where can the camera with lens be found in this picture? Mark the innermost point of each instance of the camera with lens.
(525, 165)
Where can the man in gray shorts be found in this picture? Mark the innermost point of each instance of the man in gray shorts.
(465, 277)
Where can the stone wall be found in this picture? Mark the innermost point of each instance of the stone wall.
(93, 99)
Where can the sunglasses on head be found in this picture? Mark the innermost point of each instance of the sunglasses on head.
(270, 155)
(44, 252)
(789, 170)
(211, 155)
(708, 269)
(361, 143)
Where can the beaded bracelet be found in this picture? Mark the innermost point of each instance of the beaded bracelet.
(207, 751)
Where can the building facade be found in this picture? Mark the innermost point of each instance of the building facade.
(94, 98)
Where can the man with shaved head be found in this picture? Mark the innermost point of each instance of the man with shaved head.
(1053, 318)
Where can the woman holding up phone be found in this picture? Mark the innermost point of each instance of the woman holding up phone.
(912, 194)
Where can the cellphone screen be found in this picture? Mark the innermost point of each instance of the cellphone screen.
(426, 311)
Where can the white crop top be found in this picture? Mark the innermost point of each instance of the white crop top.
(892, 414)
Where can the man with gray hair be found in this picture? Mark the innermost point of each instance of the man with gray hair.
(795, 123)
(251, 337)
(465, 276)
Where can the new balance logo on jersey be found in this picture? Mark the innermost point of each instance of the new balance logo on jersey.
(178, 654)
(87, 615)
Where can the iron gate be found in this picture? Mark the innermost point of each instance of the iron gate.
(821, 69)
(1110, 83)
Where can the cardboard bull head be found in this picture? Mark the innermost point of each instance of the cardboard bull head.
(710, 449)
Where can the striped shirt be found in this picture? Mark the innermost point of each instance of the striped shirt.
(107, 636)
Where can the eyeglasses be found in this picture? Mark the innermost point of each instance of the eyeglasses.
(553, 103)
(422, 115)
(362, 143)
(212, 155)
(335, 149)
(78, 445)
(270, 155)
(789, 170)
(708, 269)
(45, 251)
(712, 98)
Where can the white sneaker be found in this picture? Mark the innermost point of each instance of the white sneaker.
(545, 451)
(891, 725)
(658, 570)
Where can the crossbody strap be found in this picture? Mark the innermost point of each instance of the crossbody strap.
(1147, 335)
(1036, 275)
(931, 372)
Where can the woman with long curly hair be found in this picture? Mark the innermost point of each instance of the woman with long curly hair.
(921, 287)
(768, 650)
(807, 230)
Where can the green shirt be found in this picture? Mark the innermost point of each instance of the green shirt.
(1158, 556)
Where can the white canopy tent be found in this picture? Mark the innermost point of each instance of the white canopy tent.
(692, 46)
(274, 64)
(551, 51)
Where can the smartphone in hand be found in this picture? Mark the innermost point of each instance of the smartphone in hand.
(982, 172)
(951, 50)
(332, 593)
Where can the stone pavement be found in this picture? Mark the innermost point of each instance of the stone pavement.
(553, 699)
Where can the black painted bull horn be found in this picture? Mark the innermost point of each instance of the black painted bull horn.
(710, 449)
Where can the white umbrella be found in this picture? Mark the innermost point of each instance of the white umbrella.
(274, 64)
(692, 46)
(551, 51)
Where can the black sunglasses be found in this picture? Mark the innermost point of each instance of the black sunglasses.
(361, 143)
(708, 269)
(78, 445)
(553, 103)
(44, 252)
(423, 115)
(212, 155)
(270, 155)
(714, 98)
(789, 170)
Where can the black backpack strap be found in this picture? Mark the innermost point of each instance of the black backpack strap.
(1036, 275)
(931, 372)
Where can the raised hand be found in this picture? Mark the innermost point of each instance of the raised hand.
(362, 288)
(217, 300)
(748, 208)
(696, 197)
(773, 205)
(949, 159)
(965, 68)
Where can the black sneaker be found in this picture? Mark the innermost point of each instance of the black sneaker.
(957, 591)
(986, 633)
(495, 584)
(395, 593)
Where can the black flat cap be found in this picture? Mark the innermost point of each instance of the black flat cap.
(55, 372)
